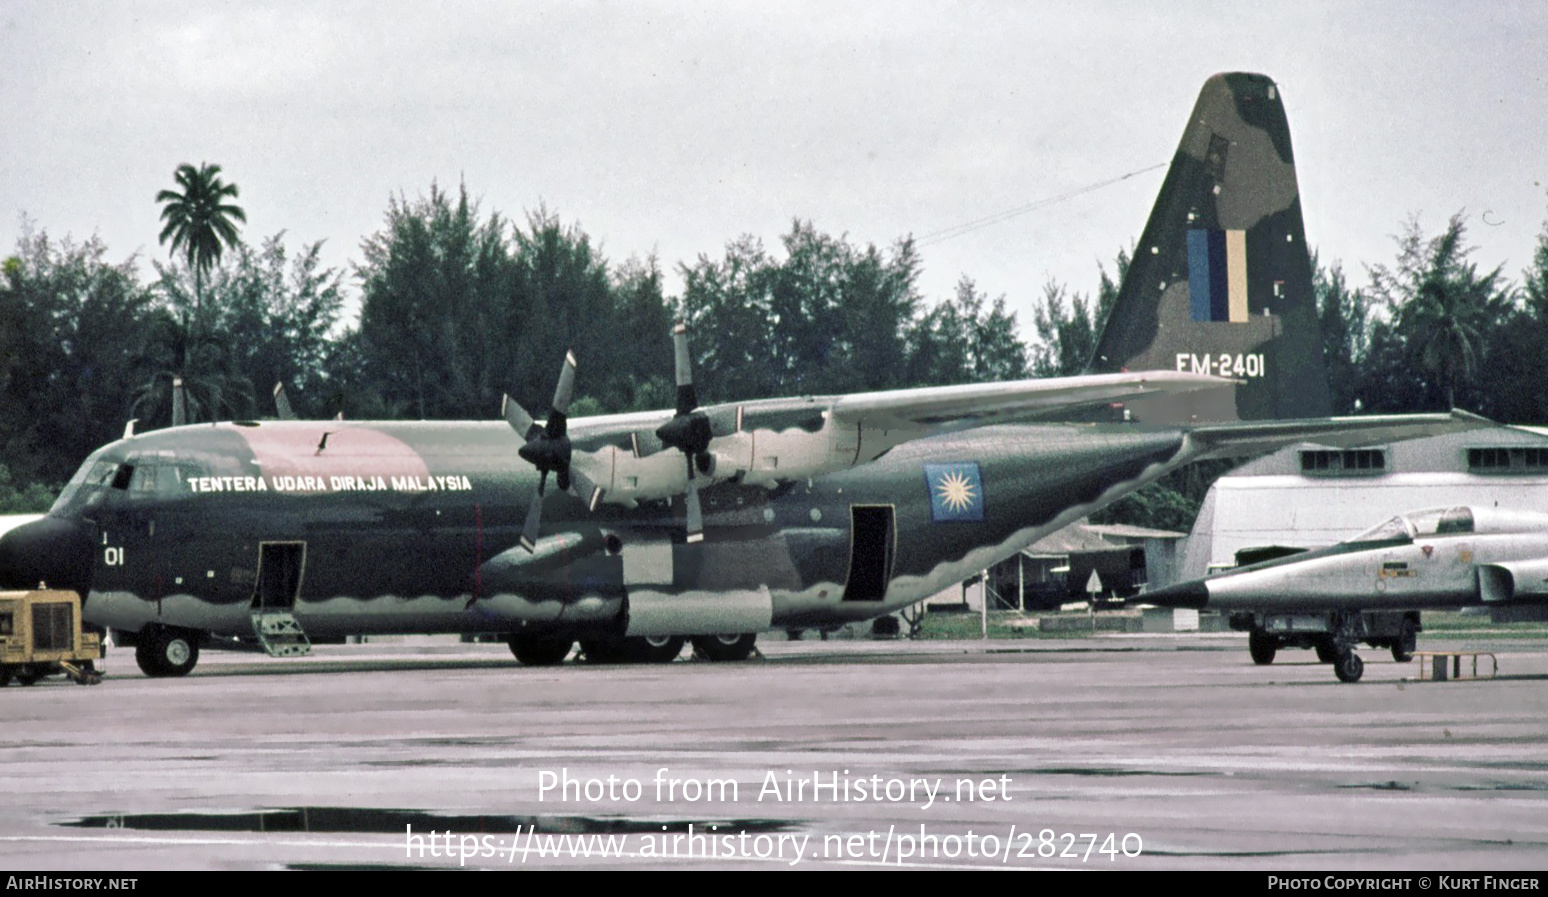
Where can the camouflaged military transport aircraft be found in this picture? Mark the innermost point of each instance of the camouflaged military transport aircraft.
(1371, 588)
(718, 522)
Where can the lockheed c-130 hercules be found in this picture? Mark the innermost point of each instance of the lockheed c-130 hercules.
(718, 522)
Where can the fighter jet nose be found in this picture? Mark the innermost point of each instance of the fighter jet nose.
(52, 551)
(1188, 594)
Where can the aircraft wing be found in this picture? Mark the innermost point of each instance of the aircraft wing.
(1256, 437)
(983, 403)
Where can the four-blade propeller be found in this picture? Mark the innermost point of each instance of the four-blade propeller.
(689, 432)
(548, 449)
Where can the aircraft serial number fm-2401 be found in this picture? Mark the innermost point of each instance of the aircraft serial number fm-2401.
(713, 523)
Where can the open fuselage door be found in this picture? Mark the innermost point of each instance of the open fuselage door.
(280, 566)
(872, 547)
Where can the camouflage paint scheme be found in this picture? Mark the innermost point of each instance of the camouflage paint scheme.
(1234, 171)
(406, 544)
(817, 510)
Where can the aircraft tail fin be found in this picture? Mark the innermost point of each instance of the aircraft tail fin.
(1221, 280)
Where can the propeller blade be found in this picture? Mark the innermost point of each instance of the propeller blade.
(584, 489)
(566, 388)
(534, 524)
(725, 421)
(517, 417)
(645, 443)
(179, 403)
(282, 403)
(695, 512)
(687, 398)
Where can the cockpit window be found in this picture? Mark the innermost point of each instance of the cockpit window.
(1431, 522)
(156, 479)
(1442, 521)
(1395, 528)
(145, 476)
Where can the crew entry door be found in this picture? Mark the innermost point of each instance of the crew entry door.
(279, 575)
(280, 566)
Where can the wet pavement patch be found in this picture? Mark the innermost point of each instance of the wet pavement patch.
(375, 820)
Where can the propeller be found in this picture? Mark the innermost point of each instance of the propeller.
(689, 431)
(179, 403)
(548, 448)
(282, 403)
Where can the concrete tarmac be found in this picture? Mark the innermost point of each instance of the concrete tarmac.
(1110, 752)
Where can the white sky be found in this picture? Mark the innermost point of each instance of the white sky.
(673, 127)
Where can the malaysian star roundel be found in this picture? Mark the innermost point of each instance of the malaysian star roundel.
(956, 492)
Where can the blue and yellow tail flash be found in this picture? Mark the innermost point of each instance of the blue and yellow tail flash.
(1217, 274)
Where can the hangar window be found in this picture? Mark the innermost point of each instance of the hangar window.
(1349, 462)
(1507, 460)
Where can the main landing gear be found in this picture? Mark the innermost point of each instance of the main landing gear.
(548, 650)
(164, 651)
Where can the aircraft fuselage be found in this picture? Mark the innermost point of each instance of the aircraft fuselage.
(414, 527)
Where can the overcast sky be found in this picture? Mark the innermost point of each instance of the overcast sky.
(671, 128)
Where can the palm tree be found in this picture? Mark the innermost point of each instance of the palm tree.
(198, 220)
(1451, 310)
(201, 224)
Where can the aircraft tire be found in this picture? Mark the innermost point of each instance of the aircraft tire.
(1262, 647)
(1327, 652)
(1349, 667)
(163, 653)
(659, 649)
(29, 674)
(5, 676)
(1406, 643)
(722, 648)
(539, 651)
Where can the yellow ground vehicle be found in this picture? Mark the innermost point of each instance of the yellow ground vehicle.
(40, 635)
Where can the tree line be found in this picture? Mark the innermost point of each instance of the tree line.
(457, 306)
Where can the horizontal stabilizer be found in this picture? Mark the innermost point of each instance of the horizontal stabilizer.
(1258, 437)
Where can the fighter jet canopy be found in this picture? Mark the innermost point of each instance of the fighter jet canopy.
(1454, 521)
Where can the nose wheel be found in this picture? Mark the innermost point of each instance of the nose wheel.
(1348, 666)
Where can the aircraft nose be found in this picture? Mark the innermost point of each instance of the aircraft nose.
(1187, 594)
(52, 550)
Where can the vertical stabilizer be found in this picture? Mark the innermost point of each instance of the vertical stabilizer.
(1220, 282)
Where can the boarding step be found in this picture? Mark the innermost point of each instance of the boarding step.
(280, 633)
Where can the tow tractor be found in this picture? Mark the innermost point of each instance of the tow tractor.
(41, 635)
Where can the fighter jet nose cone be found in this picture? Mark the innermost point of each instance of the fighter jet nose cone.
(50, 551)
(1186, 594)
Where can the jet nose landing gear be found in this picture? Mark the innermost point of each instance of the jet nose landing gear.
(1347, 665)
